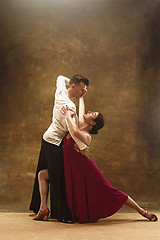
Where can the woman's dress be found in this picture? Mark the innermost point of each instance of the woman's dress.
(89, 195)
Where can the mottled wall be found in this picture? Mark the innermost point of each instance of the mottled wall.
(115, 43)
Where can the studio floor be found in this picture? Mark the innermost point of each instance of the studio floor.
(120, 226)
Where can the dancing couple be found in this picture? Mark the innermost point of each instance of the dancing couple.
(78, 190)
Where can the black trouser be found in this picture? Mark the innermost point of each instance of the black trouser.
(51, 158)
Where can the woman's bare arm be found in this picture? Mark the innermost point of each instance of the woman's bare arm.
(81, 135)
(82, 108)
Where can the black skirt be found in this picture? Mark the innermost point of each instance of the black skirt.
(51, 158)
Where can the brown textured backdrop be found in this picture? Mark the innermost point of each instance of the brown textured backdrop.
(116, 44)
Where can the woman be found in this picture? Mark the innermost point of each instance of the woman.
(89, 195)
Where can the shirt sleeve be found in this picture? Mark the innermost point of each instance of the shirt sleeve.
(62, 82)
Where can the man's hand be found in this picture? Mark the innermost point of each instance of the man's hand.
(84, 150)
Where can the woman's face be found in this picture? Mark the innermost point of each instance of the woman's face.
(91, 115)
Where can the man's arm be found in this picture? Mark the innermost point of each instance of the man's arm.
(62, 82)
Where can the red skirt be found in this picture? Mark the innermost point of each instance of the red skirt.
(89, 195)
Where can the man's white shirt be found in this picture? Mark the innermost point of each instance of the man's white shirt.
(59, 127)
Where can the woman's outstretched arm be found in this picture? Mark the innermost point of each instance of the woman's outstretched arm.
(81, 110)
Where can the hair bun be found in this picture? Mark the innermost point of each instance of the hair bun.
(92, 131)
(99, 124)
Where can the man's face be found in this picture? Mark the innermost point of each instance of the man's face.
(79, 90)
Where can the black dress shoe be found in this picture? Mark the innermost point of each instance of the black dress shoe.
(69, 221)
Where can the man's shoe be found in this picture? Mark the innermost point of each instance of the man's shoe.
(69, 221)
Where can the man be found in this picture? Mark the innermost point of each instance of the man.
(50, 166)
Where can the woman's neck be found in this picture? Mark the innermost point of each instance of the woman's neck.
(85, 126)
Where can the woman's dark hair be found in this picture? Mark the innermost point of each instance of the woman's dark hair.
(99, 124)
(76, 79)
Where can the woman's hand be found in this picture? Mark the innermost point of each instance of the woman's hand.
(66, 111)
(84, 93)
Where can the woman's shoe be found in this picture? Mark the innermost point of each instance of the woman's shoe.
(151, 216)
(42, 214)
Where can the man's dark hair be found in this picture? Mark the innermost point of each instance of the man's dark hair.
(99, 124)
(76, 79)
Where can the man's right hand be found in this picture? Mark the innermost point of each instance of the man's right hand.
(84, 150)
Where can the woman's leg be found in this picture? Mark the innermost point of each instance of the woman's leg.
(43, 180)
(131, 203)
